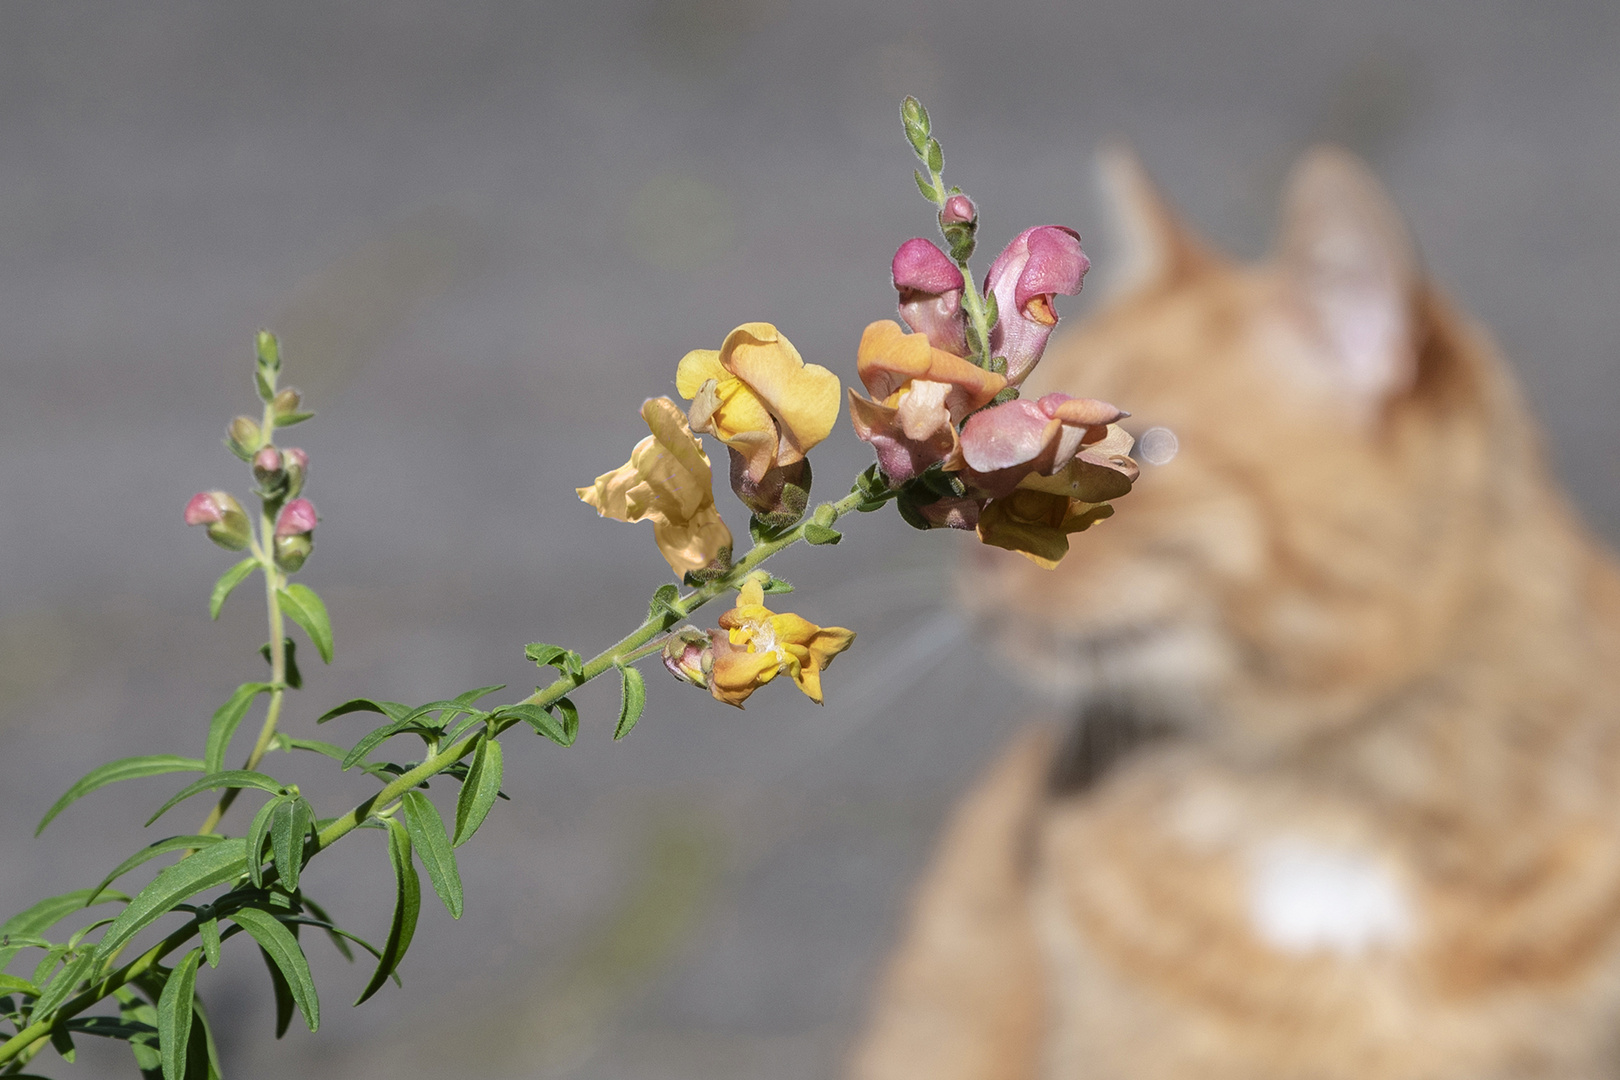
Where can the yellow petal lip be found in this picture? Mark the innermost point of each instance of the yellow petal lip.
(804, 398)
(696, 368)
(667, 481)
(760, 644)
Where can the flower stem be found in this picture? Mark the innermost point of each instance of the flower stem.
(625, 650)
(977, 315)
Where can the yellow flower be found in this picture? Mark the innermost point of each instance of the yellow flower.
(759, 397)
(1037, 524)
(667, 481)
(759, 645)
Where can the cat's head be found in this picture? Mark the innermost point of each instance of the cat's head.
(1345, 445)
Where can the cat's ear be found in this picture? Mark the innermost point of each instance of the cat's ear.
(1153, 246)
(1346, 253)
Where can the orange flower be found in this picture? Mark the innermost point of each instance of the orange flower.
(759, 397)
(919, 394)
(667, 481)
(757, 645)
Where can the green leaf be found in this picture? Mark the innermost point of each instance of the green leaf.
(391, 709)
(174, 1016)
(633, 702)
(10, 983)
(479, 790)
(407, 904)
(152, 851)
(306, 609)
(569, 715)
(289, 824)
(289, 419)
(372, 740)
(331, 750)
(776, 585)
(286, 1005)
(208, 936)
(662, 607)
(928, 190)
(202, 1056)
(22, 930)
(539, 719)
(228, 778)
(293, 677)
(140, 1014)
(426, 829)
(228, 581)
(267, 392)
(567, 661)
(58, 989)
(992, 310)
(281, 947)
(257, 833)
(226, 719)
(820, 534)
(62, 1043)
(936, 156)
(129, 768)
(211, 866)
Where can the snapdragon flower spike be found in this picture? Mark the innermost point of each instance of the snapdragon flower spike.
(227, 522)
(296, 518)
(1039, 264)
(930, 288)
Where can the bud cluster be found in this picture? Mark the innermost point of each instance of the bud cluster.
(278, 473)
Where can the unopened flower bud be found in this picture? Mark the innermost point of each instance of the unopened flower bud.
(297, 518)
(930, 288)
(227, 522)
(959, 210)
(267, 466)
(296, 464)
(779, 498)
(244, 437)
(291, 551)
(286, 403)
(689, 656)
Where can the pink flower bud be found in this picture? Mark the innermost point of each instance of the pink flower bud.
(227, 522)
(267, 465)
(296, 518)
(930, 287)
(959, 210)
(1039, 264)
(296, 456)
(296, 462)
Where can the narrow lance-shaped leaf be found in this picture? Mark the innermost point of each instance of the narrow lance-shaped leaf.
(229, 778)
(288, 826)
(152, 851)
(407, 904)
(306, 609)
(24, 928)
(129, 768)
(228, 581)
(60, 987)
(391, 709)
(211, 866)
(427, 834)
(136, 1010)
(16, 984)
(202, 1056)
(286, 1006)
(479, 790)
(208, 937)
(174, 1016)
(633, 702)
(281, 947)
(226, 719)
(258, 832)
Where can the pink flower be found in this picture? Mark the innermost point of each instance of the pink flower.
(227, 522)
(931, 287)
(296, 518)
(1003, 445)
(959, 210)
(208, 507)
(1038, 264)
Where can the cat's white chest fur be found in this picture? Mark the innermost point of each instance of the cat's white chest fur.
(1306, 896)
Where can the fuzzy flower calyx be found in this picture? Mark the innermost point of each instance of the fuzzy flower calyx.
(667, 481)
(758, 396)
(1039, 264)
(758, 644)
(919, 394)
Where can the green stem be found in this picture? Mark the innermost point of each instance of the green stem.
(977, 315)
(625, 650)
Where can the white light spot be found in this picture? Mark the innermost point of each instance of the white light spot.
(1158, 445)
(1307, 897)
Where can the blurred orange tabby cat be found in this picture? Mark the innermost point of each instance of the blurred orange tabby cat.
(1383, 837)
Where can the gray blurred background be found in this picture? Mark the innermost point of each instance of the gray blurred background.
(485, 232)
